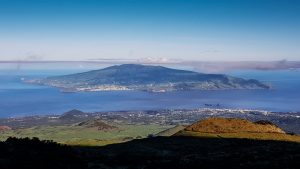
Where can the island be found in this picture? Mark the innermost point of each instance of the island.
(146, 78)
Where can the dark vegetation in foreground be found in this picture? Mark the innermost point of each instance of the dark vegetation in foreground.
(33, 153)
(152, 153)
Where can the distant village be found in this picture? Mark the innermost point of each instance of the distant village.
(290, 122)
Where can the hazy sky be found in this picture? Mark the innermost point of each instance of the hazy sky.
(134, 29)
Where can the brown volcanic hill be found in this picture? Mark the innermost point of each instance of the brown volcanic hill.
(237, 128)
(232, 125)
(98, 124)
(2, 128)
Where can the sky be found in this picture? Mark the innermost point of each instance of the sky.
(161, 30)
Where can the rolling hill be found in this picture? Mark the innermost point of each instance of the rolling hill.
(186, 149)
(97, 123)
(237, 128)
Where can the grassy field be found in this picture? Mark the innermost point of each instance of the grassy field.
(78, 135)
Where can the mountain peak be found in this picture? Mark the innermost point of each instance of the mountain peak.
(72, 114)
(136, 66)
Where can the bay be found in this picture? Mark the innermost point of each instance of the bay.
(21, 99)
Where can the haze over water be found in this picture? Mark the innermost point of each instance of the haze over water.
(20, 99)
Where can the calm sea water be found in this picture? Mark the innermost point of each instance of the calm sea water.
(19, 99)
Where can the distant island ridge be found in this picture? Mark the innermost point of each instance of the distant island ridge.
(146, 78)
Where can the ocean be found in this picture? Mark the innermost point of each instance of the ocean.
(21, 99)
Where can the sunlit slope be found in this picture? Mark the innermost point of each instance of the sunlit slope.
(171, 131)
(236, 128)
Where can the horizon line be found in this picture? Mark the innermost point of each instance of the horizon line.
(139, 61)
